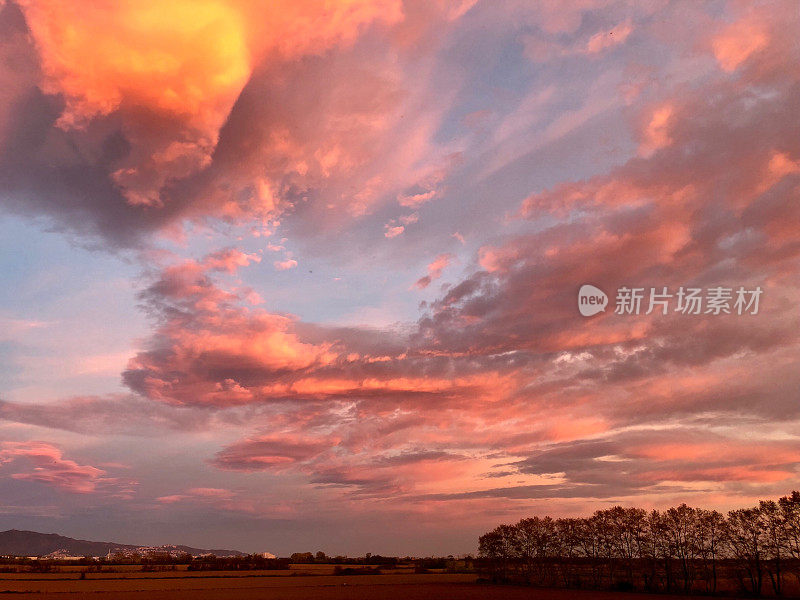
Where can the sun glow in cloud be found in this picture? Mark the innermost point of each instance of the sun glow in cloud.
(183, 64)
(186, 59)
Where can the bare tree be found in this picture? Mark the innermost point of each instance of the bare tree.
(713, 527)
(592, 547)
(663, 547)
(536, 542)
(774, 542)
(568, 532)
(681, 548)
(681, 525)
(633, 537)
(790, 511)
(744, 541)
(498, 546)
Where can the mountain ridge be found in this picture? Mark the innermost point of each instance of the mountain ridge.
(20, 542)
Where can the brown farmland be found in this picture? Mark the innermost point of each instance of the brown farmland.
(270, 586)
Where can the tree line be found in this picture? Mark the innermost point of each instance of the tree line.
(681, 549)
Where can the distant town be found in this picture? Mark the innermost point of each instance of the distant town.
(30, 551)
(170, 551)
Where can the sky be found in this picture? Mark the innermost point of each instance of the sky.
(304, 276)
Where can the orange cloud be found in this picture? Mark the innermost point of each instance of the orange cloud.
(187, 59)
(656, 134)
(738, 42)
(174, 70)
(229, 260)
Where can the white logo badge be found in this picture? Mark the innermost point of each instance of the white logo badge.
(591, 300)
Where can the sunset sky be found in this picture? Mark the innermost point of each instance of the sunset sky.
(302, 275)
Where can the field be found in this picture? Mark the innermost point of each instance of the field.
(274, 585)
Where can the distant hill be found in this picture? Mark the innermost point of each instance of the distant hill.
(32, 543)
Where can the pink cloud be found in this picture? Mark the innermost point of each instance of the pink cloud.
(607, 39)
(172, 499)
(93, 56)
(738, 42)
(206, 492)
(285, 265)
(168, 126)
(43, 462)
(219, 498)
(415, 200)
(500, 377)
(229, 260)
(656, 135)
(271, 452)
(434, 270)
(393, 231)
